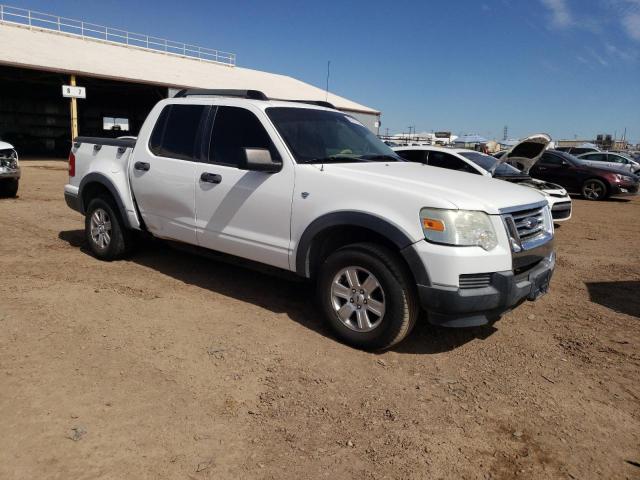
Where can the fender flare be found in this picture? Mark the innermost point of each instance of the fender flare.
(103, 180)
(365, 220)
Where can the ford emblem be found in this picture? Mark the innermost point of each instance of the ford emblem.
(531, 222)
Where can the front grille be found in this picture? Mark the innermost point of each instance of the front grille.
(529, 223)
(528, 227)
(474, 280)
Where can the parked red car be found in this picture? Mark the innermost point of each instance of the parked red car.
(594, 183)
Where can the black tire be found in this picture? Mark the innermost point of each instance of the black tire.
(396, 289)
(9, 187)
(594, 189)
(120, 240)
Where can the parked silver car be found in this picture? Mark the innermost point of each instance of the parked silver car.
(611, 160)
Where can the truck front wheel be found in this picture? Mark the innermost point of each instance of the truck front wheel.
(104, 230)
(367, 296)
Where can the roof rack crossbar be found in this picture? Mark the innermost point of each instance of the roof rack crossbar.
(248, 94)
(319, 103)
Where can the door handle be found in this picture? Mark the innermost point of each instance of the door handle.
(211, 177)
(144, 166)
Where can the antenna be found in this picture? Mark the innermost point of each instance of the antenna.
(328, 72)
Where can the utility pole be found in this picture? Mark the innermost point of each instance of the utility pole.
(74, 112)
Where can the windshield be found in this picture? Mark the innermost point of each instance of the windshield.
(480, 159)
(323, 136)
(491, 164)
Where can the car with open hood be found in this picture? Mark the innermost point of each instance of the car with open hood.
(9, 170)
(480, 164)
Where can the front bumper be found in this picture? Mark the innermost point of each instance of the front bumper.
(468, 307)
(626, 188)
(8, 173)
(561, 211)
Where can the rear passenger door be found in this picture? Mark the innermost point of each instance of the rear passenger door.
(163, 172)
(240, 212)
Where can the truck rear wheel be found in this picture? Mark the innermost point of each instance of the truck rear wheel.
(104, 230)
(367, 296)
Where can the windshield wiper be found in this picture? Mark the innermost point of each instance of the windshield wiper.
(333, 159)
(374, 157)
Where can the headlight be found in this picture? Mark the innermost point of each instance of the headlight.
(458, 227)
(9, 159)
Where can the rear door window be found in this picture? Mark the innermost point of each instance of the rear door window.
(176, 131)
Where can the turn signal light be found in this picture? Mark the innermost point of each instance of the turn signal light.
(72, 164)
(433, 224)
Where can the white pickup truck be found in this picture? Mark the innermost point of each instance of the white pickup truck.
(305, 188)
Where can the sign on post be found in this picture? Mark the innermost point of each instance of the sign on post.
(70, 91)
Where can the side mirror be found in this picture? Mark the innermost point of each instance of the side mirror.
(259, 160)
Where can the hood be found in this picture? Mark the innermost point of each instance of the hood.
(5, 145)
(546, 187)
(525, 154)
(436, 187)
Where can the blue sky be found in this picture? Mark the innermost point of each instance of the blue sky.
(566, 67)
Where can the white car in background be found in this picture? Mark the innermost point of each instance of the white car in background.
(480, 164)
(9, 170)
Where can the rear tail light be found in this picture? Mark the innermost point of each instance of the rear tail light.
(72, 164)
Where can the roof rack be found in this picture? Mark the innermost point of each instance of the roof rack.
(248, 94)
(319, 103)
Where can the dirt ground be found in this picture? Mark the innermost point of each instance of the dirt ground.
(173, 366)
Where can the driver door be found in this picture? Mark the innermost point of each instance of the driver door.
(240, 212)
(552, 168)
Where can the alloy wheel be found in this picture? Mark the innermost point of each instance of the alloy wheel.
(101, 228)
(593, 190)
(358, 299)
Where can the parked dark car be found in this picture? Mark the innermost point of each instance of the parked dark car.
(594, 183)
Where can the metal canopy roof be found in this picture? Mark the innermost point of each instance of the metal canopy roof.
(31, 47)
